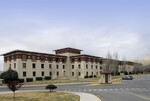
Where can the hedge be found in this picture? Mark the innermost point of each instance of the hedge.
(91, 76)
(95, 76)
(29, 79)
(47, 77)
(39, 78)
(86, 76)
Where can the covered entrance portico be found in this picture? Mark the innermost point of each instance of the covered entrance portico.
(105, 77)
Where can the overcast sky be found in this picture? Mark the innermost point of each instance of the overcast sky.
(95, 26)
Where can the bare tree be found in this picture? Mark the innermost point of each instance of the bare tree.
(114, 66)
(111, 63)
(107, 62)
(137, 67)
(146, 68)
(124, 65)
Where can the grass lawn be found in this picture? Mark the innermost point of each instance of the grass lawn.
(40, 96)
(60, 81)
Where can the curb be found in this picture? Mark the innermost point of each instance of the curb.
(97, 97)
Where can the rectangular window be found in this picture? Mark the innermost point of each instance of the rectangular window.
(33, 65)
(34, 73)
(57, 66)
(50, 66)
(50, 73)
(33, 58)
(63, 60)
(63, 66)
(72, 73)
(79, 59)
(24, 65)
(42, 73)
(24, 57)
(79, 66)
(42, 66)
(9, 65)
(86, 66)
(79, 73)
(57, 60)
(57, 73)
(14, 65)
(100, 67)
(91, 66)
(24, 74)
(96, 66)
(42, 58)
(72, 66)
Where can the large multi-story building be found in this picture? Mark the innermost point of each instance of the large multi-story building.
(65, 63)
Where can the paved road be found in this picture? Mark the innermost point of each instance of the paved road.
(130, 90)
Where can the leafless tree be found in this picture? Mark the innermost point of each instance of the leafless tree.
(114, 65)
(111, 63)
(137, 67)
(107, 62)
(124, 65)
(146, 68)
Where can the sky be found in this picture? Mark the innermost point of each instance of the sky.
(94, 26)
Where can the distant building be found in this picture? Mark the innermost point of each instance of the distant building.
(65, 63)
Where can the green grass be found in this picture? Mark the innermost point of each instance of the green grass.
(40, 96)
(60, 81)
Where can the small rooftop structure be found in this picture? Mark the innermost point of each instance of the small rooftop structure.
(68, 50)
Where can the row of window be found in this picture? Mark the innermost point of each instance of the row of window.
(87, 73)
(87, 67)
(42, 73)
(42, 66)
(73, 73)
(42, 58)
(50, 66)
(57, 73)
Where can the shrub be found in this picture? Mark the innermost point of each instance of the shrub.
(21, 80)
(38, 78)
(51, 87)
(9, 75)
(117, 73)
(47, 77)
(130, 73)
(29, 79)
(125, 73)
(86, 76)
(91, 76)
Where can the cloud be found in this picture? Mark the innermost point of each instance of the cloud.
(94, 41)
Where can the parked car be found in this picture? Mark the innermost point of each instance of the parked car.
(127, 77)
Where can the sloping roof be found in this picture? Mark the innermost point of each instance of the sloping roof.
(85, 55)
(68, 48)
(29, 52)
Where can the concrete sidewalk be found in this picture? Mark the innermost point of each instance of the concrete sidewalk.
(83, 96)
(87, 96)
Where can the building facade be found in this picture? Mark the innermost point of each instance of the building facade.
(65, 63)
